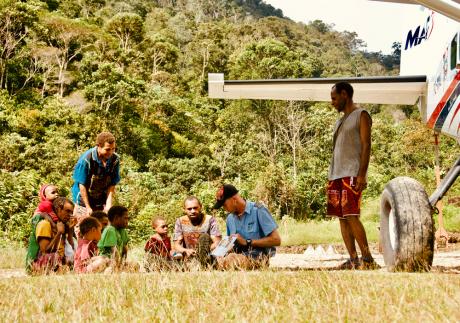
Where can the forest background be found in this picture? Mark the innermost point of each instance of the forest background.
(70, 69)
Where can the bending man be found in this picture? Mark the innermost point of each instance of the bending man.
(95, 176)
(254, 227)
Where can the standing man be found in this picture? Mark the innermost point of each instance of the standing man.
(254, 227)
(95, 176)
(348, 173)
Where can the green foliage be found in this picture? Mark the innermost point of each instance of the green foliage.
(127, 27)
(17, 20)
(112, 90)
(259, 8)
(271, 59)
(17, 190)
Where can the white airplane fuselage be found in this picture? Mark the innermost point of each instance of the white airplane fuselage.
(430, 46)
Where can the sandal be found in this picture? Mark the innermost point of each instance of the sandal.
(352, 263)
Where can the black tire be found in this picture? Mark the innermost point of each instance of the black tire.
(406, 226)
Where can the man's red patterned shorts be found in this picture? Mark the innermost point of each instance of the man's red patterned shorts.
(342, 199)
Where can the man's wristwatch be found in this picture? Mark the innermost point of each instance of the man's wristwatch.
(249, 242)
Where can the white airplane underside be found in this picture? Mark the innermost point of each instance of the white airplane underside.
(447, 8)
(384, 90)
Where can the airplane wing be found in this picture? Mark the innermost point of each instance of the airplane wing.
(449, 8)
(378, 90)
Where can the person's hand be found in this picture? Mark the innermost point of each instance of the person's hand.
(241, 241)
(89, 211)
(189, 252)
(72, 222)
(360, 183)
(60, 227)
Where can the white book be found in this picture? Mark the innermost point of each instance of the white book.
(224, 246)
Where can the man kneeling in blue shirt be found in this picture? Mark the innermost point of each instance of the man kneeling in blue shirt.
(254, 227)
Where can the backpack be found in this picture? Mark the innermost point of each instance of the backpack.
(94, 167)
(98, 178)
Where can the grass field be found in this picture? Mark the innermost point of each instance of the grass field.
(266, 296)
(292, 233)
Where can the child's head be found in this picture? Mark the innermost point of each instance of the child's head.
(90, 228)
(102, 217)
(160, 226)
(118, 216)
(48, 192)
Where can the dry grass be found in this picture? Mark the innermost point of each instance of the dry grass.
(266, 296)
(12, 256)
(200, 296)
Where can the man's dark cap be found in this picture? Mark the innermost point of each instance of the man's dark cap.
(224, 193)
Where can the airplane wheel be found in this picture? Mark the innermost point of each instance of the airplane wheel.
(406, 226)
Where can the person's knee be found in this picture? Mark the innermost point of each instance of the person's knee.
(234, 261)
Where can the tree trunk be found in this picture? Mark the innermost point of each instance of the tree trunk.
(2, 74)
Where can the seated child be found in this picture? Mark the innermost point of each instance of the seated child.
(114, 240)
(86, 256)
(158, 251)
(102, 217)
(160, 243)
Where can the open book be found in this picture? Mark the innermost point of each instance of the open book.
(224, 246)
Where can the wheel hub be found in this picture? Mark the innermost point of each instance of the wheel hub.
(392, 229)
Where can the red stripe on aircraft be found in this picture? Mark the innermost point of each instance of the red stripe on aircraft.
(442, 103)
(455, 113)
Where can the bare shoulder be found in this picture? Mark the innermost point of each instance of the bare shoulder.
(365, 117)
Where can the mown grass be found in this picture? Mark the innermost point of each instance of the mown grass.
(301, 233)
(266, 296)
(328, 231)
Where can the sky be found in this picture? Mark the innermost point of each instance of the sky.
(378, 24)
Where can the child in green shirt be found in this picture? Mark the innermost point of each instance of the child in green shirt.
(114, 240)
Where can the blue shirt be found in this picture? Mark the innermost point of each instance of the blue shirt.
(255, 223)
(96, 181)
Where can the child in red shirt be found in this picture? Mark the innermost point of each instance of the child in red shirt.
(158, 248)
(48, 193)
